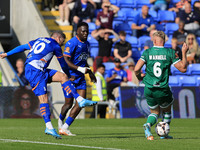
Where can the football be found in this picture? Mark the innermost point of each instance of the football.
(162, 129)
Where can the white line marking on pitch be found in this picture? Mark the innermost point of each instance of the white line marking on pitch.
(60, 144)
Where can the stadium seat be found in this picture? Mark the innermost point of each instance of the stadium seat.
(175, 71)
(93, 42)
(198, 80)
(136, 55)
(140, 3)
(108, 66)
(154, 14)
(114, 2)
(94, 52)
(198, 40)
(164, 15)
(142, 40)
(168, 44)
(160, 27)
(127, 4)
(174, 81)
(133, 41)
(96, 12)
(170, 28)
(116, 22)
(130, 13)
(188, 81)
(123, 27)
(92, 26)
(121, 16)
(194, 69)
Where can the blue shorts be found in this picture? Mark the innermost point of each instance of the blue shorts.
(38, 79)
(79, 83)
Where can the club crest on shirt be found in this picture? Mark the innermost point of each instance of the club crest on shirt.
(67, 49)
(176, 55)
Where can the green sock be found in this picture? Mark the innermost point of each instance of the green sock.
(167, 117)
(152, 119)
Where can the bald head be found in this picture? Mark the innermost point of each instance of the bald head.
(159, 38)
(145, 10)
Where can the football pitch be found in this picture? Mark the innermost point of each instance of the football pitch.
(108, 134)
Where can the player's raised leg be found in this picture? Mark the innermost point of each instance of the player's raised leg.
(68, 88)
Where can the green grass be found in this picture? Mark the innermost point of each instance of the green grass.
(104, 133)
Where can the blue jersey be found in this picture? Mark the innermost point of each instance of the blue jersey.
(78, 53)
(121, 74)
(42, 51)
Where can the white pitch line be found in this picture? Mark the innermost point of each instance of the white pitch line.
(60, 144)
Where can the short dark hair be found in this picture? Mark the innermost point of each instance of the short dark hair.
(58, 33)
(122, 33)
(101, 65)
(82, 24)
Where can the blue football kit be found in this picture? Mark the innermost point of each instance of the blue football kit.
(78, 53)
(121, 74)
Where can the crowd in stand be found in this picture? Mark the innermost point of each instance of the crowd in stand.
(123, 30)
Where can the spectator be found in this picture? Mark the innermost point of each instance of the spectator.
(20, 71)
(179, 6)
(159, 5)
(196, 8)
(83, 12)
(131, 77)
(116, 76)
(143, 23)
(25, 104)
(105, 17)
(99, 92)
(180, 34)
(190, 19)
(105, 46)
(98, 4)
(193, 53)
(175, 47)
(123, 49)
(149, 43)
(64, 10)
(48, 5)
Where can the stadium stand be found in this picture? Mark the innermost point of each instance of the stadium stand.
(141, 41)
(170, 28)
(94, 52)
(127, 3)
(194, 69)
(140, 3)
(123, 27)
(130, 13)
(121, 16)
(92, 26)
(174, 81)
(188, 81)
(166, 16)
(175, 71)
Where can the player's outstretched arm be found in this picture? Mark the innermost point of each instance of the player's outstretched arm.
(182, 65)
(18, 49)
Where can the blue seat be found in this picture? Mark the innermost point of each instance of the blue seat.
(121, 16)
(142, 40)
(168, 44)
(198, 80)
(198, 40)
(140, 3)
(154, 14)
(130, 13)
(108, 66)
(164, 15)
(127, 3)
(188, 81)
(136, 55)
(92, 26)
(174, 81)
(160, 27)
(94, 52)
(93, 42)
(123, 27)
(175, 71)
(96, 12)
(133, 41)
(170, 28)
(116, 23)
(114, 2)
(194, 69)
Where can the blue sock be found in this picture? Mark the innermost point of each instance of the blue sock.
(62, 117)
(70, 89)
(69, 121)
(45, 112)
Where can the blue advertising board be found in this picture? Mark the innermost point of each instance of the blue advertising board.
(132, 103)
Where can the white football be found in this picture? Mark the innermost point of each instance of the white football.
(162, 129)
